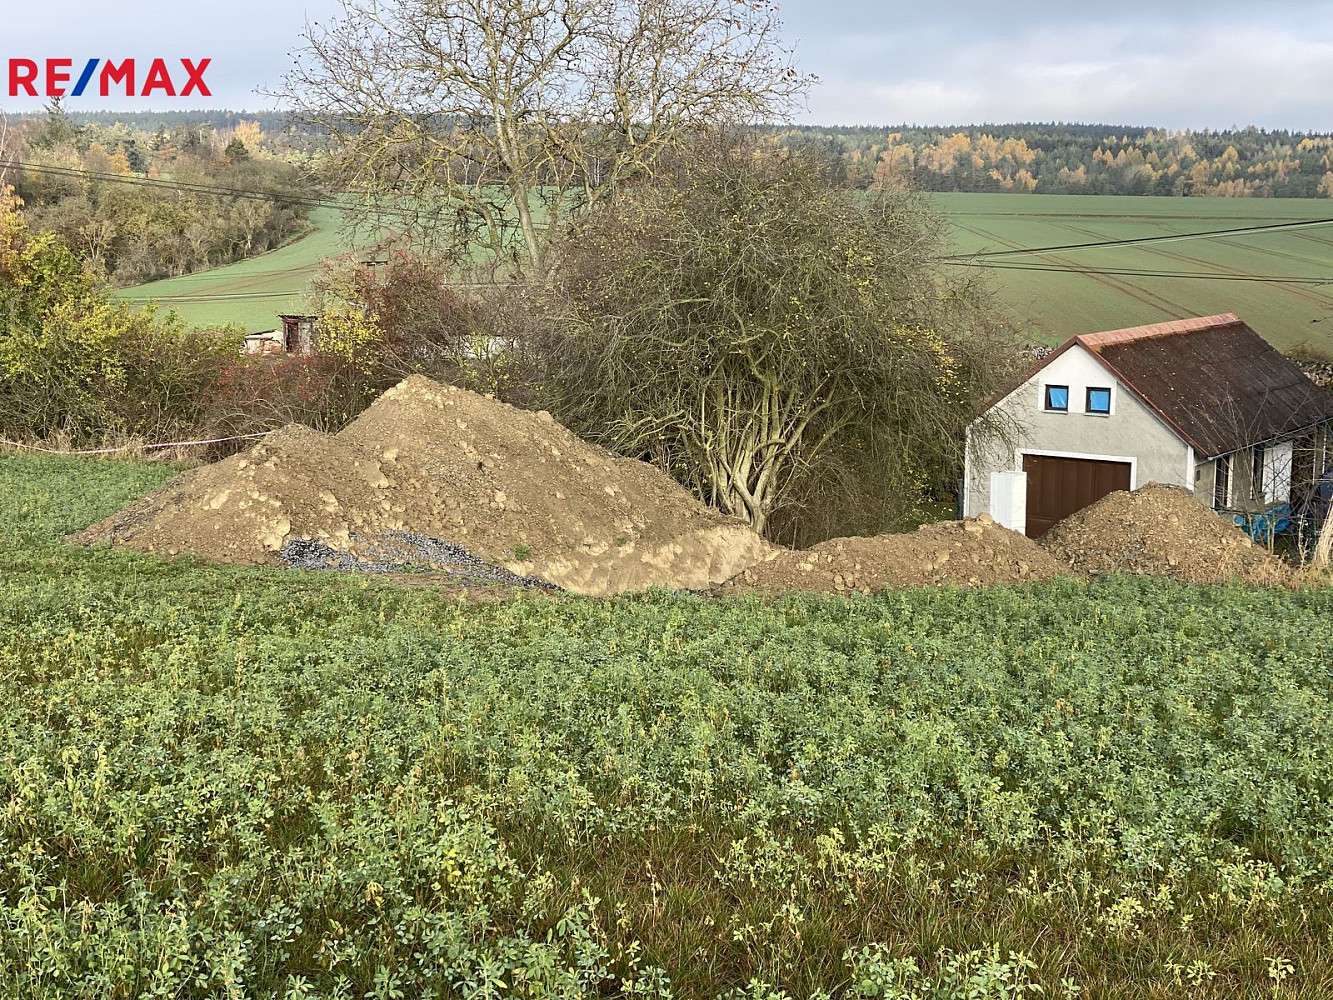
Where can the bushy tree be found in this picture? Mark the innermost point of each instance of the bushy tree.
(73, 360)
(403, 315)
(763, 335)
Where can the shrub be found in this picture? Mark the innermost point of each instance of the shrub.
(78, 364)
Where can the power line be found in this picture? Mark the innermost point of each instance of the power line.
(315, 202)
(1275, 279)
(158, 183)
(264, 275)
(981, 259)
(210, 298)
(1142, 240)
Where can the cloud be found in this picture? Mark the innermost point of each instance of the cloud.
(1155, 72)
(1174, 63)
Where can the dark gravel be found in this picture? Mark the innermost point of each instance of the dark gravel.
(405, 551)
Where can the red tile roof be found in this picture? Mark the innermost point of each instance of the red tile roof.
(1215, 381)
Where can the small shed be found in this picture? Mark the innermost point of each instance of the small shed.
(1203, 403)
(297, 335)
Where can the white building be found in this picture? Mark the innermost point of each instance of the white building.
(1206, 404)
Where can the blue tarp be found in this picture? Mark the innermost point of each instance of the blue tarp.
(1262, 525)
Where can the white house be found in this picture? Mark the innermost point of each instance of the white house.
(1205, 403)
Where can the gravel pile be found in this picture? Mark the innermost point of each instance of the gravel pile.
(404, 551)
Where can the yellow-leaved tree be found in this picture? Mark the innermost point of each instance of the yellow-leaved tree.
(72, 359)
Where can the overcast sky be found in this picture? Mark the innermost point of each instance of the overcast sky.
(1133, 62)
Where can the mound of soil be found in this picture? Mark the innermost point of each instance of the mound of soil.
(519, 488)
(972, 553)
(296, 483)
(514, 488)
(1160, 531)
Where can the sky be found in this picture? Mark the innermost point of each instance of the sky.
(1170, 63)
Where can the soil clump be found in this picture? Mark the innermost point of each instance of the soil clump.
(972, 553)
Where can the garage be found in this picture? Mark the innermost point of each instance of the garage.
(1057, 487)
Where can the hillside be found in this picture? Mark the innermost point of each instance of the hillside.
(250, 293)
(1190, 278)
(1164, 281)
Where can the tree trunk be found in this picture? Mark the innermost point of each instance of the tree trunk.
(1323, 549)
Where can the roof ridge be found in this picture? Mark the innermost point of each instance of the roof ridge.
(1169, 328)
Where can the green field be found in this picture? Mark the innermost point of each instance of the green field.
(1047, 306)
(250, 293)
(219, 782)
(1052, 306)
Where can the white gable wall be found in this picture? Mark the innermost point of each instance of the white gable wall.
(1131, 433)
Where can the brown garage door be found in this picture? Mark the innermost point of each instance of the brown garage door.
(1059, 486)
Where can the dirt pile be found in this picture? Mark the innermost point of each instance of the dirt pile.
(519, 488)
(1160, 531)
(514, 488)
(296, 483)
(970, 553)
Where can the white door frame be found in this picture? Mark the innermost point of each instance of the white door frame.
(1042, 453)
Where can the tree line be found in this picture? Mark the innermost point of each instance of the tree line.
(1030, 158)
(1019, 157)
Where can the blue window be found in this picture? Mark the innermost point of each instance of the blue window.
(1057, 398)
(1099, 400)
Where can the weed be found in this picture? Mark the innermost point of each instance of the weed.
(220, 781)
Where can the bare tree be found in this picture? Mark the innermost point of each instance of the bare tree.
(485, 123)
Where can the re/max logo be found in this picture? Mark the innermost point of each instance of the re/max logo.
(25, 74)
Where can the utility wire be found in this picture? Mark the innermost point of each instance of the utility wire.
(1275, 279)
(313, 202)
(980, 259)
(209, 298)
(195, 187)
(263, 275)
(160, 183)
(1142, 240)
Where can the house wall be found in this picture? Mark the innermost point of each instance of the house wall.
(1242, 470)
(1018, 424)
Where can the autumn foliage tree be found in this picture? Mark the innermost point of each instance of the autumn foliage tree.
(404, 315)
(752, 328)
(75, 361)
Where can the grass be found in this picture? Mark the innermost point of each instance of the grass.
(1048, 306)
(218, 782)
(1052, 306)
(250, 293)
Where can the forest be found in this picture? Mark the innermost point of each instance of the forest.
(1028, 158)
(139, 201)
